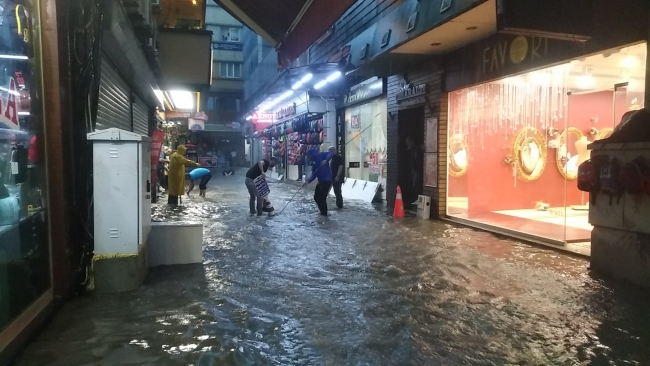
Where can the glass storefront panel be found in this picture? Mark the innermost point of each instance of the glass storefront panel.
(515, 144)
(366, 141)
(24, 246)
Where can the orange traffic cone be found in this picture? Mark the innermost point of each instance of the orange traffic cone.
(399, 204)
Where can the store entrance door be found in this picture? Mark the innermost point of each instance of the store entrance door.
(410, 132)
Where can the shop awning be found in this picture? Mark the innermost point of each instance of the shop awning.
(290, 26)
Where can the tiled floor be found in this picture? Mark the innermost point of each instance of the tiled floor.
(538, 228)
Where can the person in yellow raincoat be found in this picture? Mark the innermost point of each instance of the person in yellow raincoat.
(176, 183)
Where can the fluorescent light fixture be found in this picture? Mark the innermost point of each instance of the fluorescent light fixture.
(629, 62)
(182, 99)
(10, 91)
(161, 99)
(282, 97)
(585, 82)
(306, 78)
(300, 83)
(249, 118)
(14, 57)
(320, 84)
(333, 76)
(23, 113)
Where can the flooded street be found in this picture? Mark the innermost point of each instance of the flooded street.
(357, 288)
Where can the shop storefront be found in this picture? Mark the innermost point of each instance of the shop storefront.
(25, 255)
(364, 142)
(514, 142)
(300, 106)
(414, 113)
(300, 123)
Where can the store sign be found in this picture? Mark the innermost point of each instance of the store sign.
(363, 92)
(286, 112)
(410, 91)
(201, 116)
(227, 46)
(195, 124)
(262, 117)
(503, 55)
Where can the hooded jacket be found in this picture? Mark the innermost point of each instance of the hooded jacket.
(320, 171)
(177, 163)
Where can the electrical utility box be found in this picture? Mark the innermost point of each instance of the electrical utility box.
(122, 191)
(424, 207)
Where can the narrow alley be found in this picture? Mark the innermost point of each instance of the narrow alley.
(357, 288)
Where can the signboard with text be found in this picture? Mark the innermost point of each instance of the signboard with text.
(363, 92)
(227, 46)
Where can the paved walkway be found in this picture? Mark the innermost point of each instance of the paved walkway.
(357, 288)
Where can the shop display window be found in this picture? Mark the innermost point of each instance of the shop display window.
(24, 245)
(365, 152)
(515, 144)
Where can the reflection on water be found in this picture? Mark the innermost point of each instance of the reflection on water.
(357, 288)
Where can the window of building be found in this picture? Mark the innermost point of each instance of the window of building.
(222, 103)
(230, 34)
(515, 144)
(231, 70)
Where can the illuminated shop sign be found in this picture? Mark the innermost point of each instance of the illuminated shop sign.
(363, 92)
(410, 91)
(263, 117)
(286, 112)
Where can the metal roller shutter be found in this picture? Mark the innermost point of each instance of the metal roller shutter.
(140, 116)
(114, 109)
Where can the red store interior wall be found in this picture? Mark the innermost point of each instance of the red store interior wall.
(489, 182)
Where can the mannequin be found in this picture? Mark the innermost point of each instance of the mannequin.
(582, 146)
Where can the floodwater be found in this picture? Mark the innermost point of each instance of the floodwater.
(357, 288)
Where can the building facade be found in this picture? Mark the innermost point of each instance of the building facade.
(440, 60)
(50, 102)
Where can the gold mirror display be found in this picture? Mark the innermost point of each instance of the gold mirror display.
(458, 157)
(604, 133)
(530, 155)
(567, 155)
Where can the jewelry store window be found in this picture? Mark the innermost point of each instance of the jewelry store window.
(515, 144)
(24, 245)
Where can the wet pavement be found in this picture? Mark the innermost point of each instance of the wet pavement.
(357, 288)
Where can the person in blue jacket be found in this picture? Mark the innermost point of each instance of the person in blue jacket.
(200, 174)
(320, 170)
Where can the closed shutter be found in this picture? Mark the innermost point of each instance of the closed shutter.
(140, 116)
(114, 109)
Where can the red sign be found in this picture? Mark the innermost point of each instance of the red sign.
(157, 138)
(262, 117)
(156, 144)
(200, 116)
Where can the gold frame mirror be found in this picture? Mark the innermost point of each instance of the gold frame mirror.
(530, 154)
(458, 156)
(562, 155)
(604, 133)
